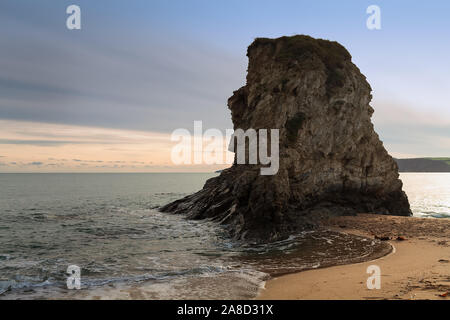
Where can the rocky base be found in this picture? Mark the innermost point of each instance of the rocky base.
(239, 202)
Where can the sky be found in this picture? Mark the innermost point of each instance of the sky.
(107, 97)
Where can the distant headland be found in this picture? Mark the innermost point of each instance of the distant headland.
(424, 165)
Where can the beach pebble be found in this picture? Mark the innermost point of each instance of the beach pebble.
(383, 238)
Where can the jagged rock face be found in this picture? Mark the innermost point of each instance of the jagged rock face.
(331, 159)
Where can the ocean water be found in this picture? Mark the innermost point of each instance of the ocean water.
(109, 226)
(428, 193)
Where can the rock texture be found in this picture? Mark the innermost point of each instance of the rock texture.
(331, 159)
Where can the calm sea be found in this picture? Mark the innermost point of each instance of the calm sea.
(109, 226)
(428, 193)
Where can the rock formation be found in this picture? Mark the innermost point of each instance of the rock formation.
(331, 159)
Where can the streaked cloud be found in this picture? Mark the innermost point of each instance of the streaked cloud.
(35, 163)
(71, 148)
(39, 142)
(107, 97)
(411, 132)
(52, 75)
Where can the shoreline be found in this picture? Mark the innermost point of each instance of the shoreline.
(417, 268)
(263, 295)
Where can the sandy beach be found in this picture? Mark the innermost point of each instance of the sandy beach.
(417, 268)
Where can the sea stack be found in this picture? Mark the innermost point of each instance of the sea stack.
(331, 161)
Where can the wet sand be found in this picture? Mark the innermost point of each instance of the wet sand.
(418, 267)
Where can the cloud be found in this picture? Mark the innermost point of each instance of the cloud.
(86, 147)
(139, 81)
(39, 142)
(410, 131)
(35, 163)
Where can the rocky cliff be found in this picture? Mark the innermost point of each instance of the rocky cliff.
(331, 159)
